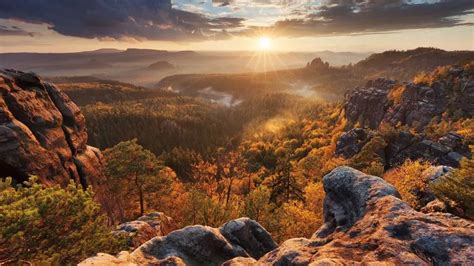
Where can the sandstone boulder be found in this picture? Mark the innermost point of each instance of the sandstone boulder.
(43, 133)
(366, 222)
(202, 245)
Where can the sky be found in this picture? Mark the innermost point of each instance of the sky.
(219, 25)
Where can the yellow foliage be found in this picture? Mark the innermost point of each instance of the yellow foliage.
(297, 221)
(396, 94)
(408, 179)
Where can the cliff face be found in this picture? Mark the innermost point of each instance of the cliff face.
(445, 94)
(43, 133)
(386, 101)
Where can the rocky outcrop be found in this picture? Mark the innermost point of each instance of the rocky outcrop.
(318, 64)
(448, 150)
(367, 106)
(43, 133)
(199, 245)
(145, 228)
(365, 221)
(351, 142)
(406, 145)
(411, 104)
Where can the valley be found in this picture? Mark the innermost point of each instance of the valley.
(203, 149)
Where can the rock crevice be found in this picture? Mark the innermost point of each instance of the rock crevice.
(43, 133)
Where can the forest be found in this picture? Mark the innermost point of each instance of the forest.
(204, 163)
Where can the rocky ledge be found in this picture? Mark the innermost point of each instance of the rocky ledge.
(365, 221)
(43, 133)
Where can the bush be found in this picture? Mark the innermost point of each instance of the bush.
(408, 179)
(51, 225)
(458, 188)
(371, 157)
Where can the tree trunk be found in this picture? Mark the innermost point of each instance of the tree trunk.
(229, 188)
(140, 195)
(142, 207)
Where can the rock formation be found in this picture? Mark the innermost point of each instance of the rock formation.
(198, 245)
(43, 133)
(318, 64)
(365, 221)
(448, 150)
(386, 102)
(411, 104)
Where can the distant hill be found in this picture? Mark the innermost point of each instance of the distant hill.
(320, 78)
(161, 65)
(85, 90)
(28, 61)
(403, 65)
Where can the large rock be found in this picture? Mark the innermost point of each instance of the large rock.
(200, 245)
(366, 222)
(43, 133)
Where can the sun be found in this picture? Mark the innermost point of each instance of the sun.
(264, 43)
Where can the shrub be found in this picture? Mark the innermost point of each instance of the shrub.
(371, 156)
(458, 188)
(51, 225)
(408, 179)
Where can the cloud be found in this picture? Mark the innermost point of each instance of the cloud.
(14, 31)
(194, 20)
(339, 17)
(124, 19)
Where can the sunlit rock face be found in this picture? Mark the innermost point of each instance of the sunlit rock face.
(43, 133)
(366, 221)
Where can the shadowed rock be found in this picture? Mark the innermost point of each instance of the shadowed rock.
(448, 150)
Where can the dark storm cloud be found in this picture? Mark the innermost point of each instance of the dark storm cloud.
(118, 19)
(186, 21)
(371, 16)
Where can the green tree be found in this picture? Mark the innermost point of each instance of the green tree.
(134, 170)
(286, 184)
(457, 188)
(51, 225)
